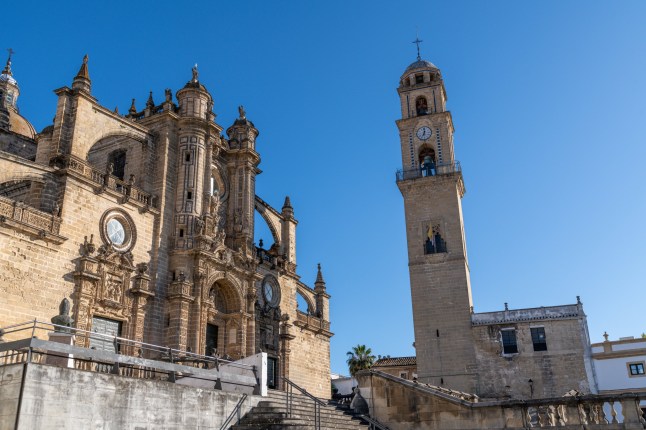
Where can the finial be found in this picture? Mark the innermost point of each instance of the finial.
(7, 67)
(288, 203)
(418, 41)
(116, 110)
(241, 111)
(133, 108)
(506, 306)
(319, 275)
(83, 71)
(82, 79)
(150, 103)
(605, 336)
(195, 74)
(578, 300)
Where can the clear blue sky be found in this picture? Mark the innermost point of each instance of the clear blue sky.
(548, 99)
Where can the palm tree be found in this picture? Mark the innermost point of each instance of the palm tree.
(359, 358)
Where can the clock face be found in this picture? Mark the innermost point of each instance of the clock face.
(116, 232)
(268, 291)
(423, 133)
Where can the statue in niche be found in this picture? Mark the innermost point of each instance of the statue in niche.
(112, 288)
(199, 225)
(63, 318)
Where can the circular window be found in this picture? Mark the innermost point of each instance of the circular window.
(270, 291)
(117, 230)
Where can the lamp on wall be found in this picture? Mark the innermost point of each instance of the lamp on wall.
(531, 388)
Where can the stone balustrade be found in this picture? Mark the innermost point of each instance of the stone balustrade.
(311, 322)
(27, 216)
(107, 181)
(390, 398)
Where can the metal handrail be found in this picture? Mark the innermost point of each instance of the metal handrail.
(372, 423)
(289, 395)
(426, 171)
(175, 354)
(235, 411)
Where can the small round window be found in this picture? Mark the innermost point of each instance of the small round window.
(118, 230)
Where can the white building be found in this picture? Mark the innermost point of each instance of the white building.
(620, 365)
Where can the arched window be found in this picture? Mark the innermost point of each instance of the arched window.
(427, 161)
(421, 106)
(434, 243)
(118, 161)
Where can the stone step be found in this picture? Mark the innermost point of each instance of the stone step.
(270, 414)
(267, 414)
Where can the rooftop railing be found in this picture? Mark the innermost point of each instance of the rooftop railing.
(428, 170)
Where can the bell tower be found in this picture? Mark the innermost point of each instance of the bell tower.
(432, 186)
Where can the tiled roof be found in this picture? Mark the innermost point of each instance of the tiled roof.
(396, 361)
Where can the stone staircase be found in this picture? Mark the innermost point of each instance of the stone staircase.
(270, 414)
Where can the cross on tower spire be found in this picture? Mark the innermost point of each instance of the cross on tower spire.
(418, 41)
(7, 69)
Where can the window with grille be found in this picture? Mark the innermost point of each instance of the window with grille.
(509, 345)
(538, 339)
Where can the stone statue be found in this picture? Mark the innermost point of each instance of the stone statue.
(242, 112)
(199, 226)
(169, 95)
(63, 318)
(195, 74)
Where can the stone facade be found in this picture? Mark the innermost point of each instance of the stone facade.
(146, 222)
(455, 347)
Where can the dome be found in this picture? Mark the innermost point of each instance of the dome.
(19, 125)
(8, 78)
(421, 64)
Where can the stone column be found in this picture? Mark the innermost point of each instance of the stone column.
(286, 336)
(180, 298)
(142, 293)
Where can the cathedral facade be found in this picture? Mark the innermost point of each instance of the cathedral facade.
(145, 222)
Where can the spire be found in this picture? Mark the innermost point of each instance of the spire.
(319, 276)
(83, 72)
(133, 108)
(288, 210)
(7, 67)
(82, 79)
(150, 103)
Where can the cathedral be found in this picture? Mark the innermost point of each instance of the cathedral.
(145, 223)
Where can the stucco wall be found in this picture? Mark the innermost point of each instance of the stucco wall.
(10, 377)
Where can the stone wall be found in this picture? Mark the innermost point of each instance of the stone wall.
(10, 379)
(36, 273)
(56, 398)
(563, 366)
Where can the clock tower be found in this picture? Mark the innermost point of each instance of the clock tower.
(432, 186)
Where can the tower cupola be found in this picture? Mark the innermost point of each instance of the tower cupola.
(194, 99)
(242, 134)
(421, 88)
(9, 90)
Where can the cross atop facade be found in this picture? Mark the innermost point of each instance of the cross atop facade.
(418, 41)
